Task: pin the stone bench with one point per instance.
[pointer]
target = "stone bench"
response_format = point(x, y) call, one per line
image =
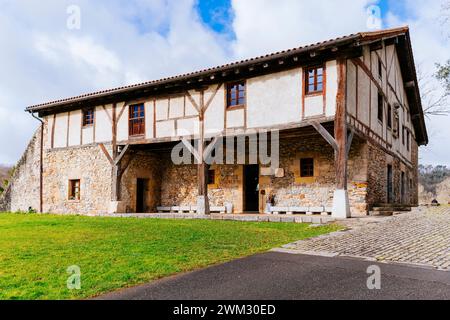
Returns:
point(188, 209)
point(220, 210)
point(302, 210)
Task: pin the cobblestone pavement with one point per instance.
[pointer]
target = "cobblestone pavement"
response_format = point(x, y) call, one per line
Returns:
point(421, 238)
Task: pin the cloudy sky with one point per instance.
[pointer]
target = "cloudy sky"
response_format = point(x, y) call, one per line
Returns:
point(127, 41)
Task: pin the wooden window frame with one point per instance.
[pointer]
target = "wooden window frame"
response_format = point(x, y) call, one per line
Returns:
point(380, 107)
point(389, 117)
point(316, 82)
point(229, 92)
point(72, 194)
point(132, 121)
point(85, 114)
point(309, 169)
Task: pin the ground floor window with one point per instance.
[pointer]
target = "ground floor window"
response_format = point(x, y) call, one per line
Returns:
point(211, 176)
point(307, 167)
point(74, 190)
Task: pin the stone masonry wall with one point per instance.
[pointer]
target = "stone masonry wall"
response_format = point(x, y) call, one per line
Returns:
point(142, 165)
point(377, 176)
point(179, 183)
point(23, 191)
point(292, 190)
point(90, 166)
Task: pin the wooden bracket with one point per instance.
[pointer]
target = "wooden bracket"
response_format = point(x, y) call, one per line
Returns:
point(325, 134)
point(191, 149)
point(194, 103)
point(121, 155)
point(106, 153)
point(350, 140)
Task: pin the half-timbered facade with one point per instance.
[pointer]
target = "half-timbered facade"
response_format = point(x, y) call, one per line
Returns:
point(347, 114)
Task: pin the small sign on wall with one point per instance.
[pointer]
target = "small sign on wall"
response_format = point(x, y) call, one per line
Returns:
point(279, 173)
point(265, 172)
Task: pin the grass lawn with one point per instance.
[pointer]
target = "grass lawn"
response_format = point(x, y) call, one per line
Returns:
point(36, 250)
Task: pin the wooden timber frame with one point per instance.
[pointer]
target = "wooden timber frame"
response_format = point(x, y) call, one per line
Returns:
point(203, 150)
point(116, 157)
point(341, 142)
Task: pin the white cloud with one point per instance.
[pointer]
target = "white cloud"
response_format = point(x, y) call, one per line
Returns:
point(262, 26)
point(126, 42)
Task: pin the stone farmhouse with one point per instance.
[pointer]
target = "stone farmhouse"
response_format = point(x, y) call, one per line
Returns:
point(346, 113)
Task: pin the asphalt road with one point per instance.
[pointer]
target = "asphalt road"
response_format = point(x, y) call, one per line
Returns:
point(280, 276)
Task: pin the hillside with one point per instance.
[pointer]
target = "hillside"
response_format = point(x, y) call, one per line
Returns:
point(4, 173)
point(434, 183)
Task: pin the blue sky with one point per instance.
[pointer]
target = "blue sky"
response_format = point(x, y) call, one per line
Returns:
point(218, 14)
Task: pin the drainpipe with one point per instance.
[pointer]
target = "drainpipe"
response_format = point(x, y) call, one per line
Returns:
point(41, 164)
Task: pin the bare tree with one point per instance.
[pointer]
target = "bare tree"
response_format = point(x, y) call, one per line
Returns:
point(435, 100)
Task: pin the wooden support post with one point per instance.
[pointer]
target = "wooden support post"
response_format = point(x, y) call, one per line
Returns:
point(341, 207)
point(202, 200)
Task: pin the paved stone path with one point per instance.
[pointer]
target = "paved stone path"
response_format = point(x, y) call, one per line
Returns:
point(421, 238)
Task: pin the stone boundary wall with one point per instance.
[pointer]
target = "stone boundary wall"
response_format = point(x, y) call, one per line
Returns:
point(23, 190)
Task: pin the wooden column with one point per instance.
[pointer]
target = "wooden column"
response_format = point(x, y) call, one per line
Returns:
point(202, 172)
point(115, 181)
point(341, 205)
point(340, 127)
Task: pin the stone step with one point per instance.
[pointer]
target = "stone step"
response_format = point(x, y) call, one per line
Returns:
point(388, 207)
point(381, 213)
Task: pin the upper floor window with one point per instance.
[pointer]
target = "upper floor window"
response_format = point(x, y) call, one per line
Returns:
point(380, 107)
point(307, 167)
point(389, 117)
point(74, 190)
point(88, 117)
point(236, 94)
point(314, 80)
point(137, 120)
point(380, 68)
point(408, 140)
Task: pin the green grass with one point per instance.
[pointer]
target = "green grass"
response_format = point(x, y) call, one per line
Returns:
point(36, 250)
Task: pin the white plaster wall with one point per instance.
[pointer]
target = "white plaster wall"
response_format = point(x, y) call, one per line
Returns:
point(149, 117)
point(60, 139)
point(215, 114)
point(364, 98)
point(88, 134)
point(75, 128)
point(277, 95)
point(351, 88)
point(103, 125)
point(313, 106)
point(332, 88)
point(176, 107)
point(188, 127)
point(162, 109)
point(235, 118)
point(165, 129)
point(122, 123)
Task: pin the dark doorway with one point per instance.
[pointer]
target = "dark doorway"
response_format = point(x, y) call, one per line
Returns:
point(403, 188)
point(251, 188)
point(390, 193)
point(141, 192)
